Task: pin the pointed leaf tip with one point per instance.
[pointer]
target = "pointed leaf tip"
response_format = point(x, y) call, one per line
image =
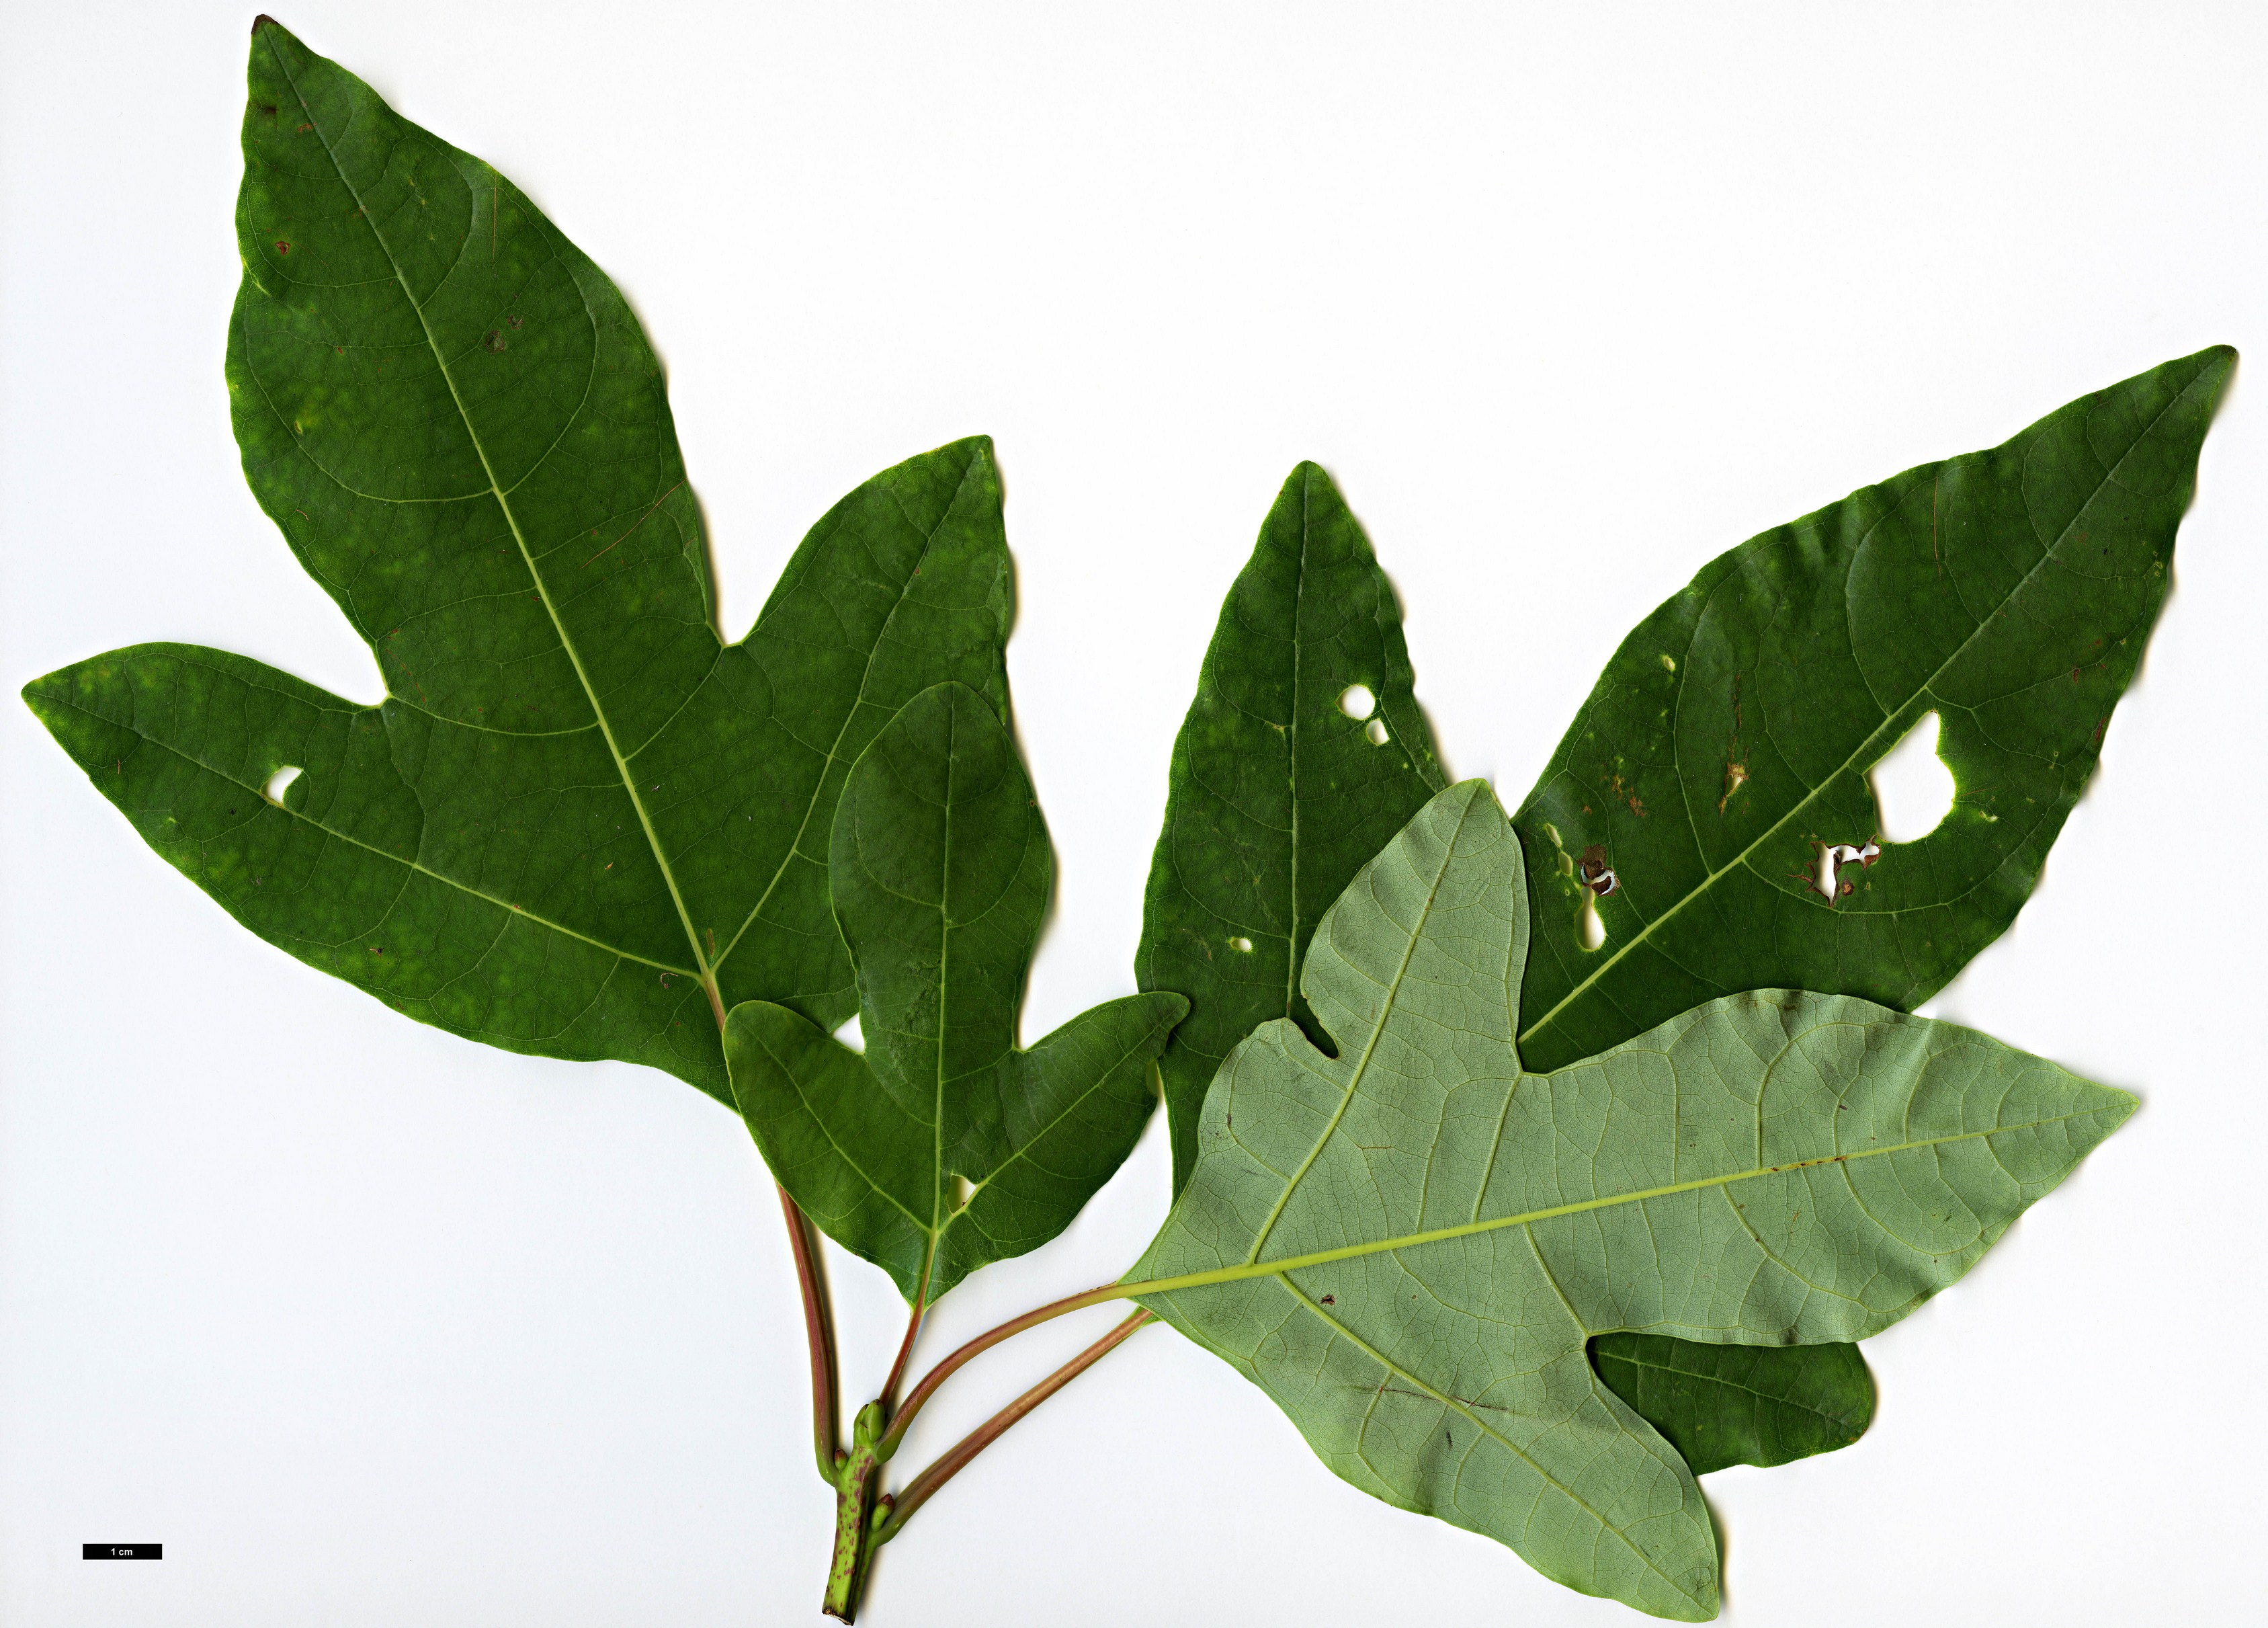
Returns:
point(696, 763)
point(1278, 794)
point(1409, 1245)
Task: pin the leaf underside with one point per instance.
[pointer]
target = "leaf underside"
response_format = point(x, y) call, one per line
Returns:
point(1277, 794)
point(941, 869)
point(1276, 797)
point(1409, 1245)
point(2011, 592)
point(579, 824)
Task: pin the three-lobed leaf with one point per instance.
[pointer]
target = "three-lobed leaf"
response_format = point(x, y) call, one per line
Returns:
point(1411, 1244)
point(1278, 791)
point(941, 868)
point(579, 824)
point(1278, 794)
point(2011, 592)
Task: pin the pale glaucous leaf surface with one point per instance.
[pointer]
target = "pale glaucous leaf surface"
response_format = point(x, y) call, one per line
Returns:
point(941, 868)
point(579, 824)
point(1409, 1245)
point(1279, 792)
point(1279, 789)
point(2012, 591)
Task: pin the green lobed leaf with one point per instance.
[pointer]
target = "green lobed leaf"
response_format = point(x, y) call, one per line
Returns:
point(2012, 592)
point(579, 824)
point(1409, 1245)
point(1720, 1405)
point(941, 869)
point(1277, 795)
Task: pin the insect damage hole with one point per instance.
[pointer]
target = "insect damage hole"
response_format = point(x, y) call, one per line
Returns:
point(1591, 931)
point(1356, 701)
point(1828, 878)
point(963, 1192)
point(1914, 789)
point(1599, 881)
point(278, 781)
point(1242, 946)
point(1376, 732)
point(850, 1035)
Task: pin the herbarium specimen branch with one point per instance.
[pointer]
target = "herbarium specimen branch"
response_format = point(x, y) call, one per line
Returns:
point(1533, 1164)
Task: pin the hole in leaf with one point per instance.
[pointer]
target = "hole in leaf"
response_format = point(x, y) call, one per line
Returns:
point(961, 1192)
point(1376, 733)
point(276, 783)
point(1830, 877)
point(850, 1035)
point(1591, 931)
point(1356, 701)
point(1242, 946)
point(1914, 789)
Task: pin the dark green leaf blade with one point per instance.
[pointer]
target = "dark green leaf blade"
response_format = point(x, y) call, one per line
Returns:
point(584, 801)
point(337, 873)
point(941, 868)
point(1409, 1245)
point(1072, 1109)
point(1720, 1405)
point(863, 1168)
point(1276, 796)
point(2011, 592)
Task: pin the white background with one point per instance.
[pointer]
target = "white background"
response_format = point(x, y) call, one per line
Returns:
point(368, 1325)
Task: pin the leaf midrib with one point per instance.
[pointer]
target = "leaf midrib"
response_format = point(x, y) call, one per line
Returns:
point(1925, 688)
point(938, 1219)
point(1410, 1240)
point(706, 974)
point(1291, 730)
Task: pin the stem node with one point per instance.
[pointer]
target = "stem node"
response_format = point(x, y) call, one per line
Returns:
point(857, 1515)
